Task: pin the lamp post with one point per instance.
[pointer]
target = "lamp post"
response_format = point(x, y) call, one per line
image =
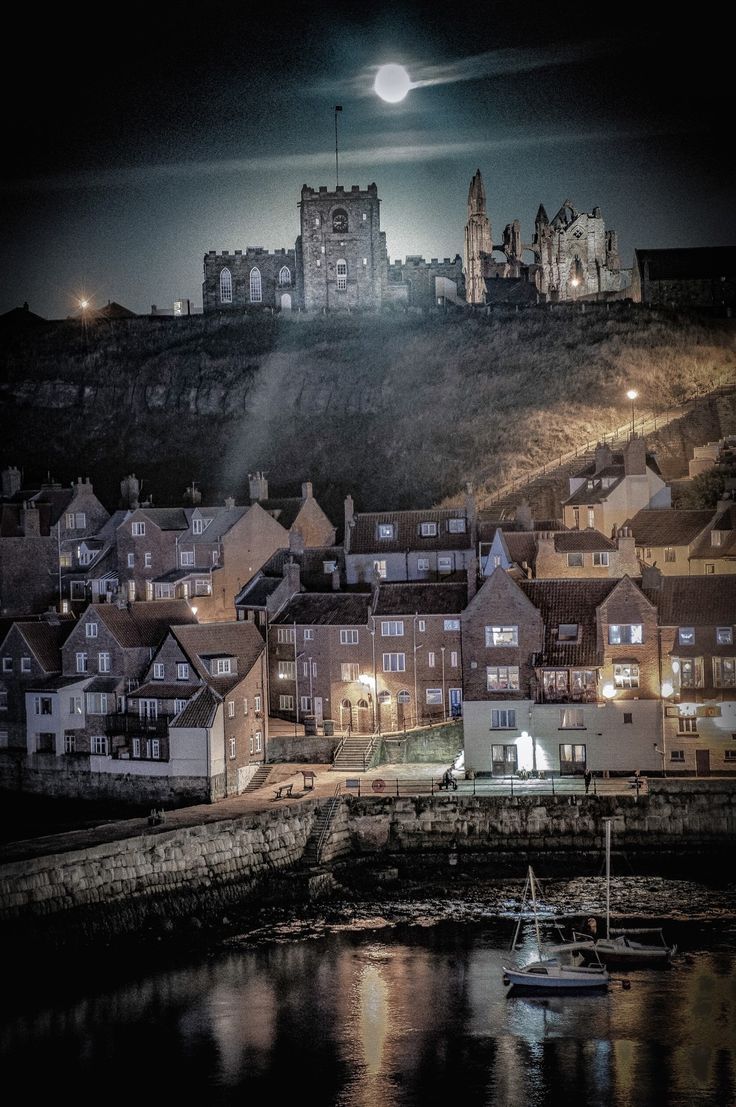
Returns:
point(632, 395)
point(444, 706)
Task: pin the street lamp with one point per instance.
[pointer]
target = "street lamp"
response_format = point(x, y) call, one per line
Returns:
point(632, 394)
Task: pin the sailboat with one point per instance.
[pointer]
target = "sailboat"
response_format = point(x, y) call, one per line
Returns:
point(620, 946)
point(558, 968)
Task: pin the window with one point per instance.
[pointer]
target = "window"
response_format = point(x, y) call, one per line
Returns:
point(153, 749)
point(25, 664)
point(385, 530)
point(70, 743)
point(574, 560)
point(7, 664)
point(232, 749)
point(709, 568)
point(716, 538)
point(158, 671)
point(202, 587)
point(182, 671)
point(84, 555)
point(97, 703)
point(306, 667)
point(305, 703)
point(444, 564)
point(65, 560)
point(286, 703)
point(90, 630)
point(69, 521)
point(567, 632)
point(197, 526)
point(146, 561)
point(628, 717)
point(308, 635)
point(626, 676)
point(572, 758)
point(422, 564)
point(257, 703)
point(136, 747)
point(179, 706)
point(724, 672)
point(76, 589)
point(686, 636)
point(348, 638)
point(451, 624)
point(103, 662)
point(729, 755)
point(724, 636)
point(677, 755)
point(287, 670)
point(259, 741)
point(231, 709)
point(256, 291)
point(456, 526)
point(431, 659)
point(349, 670)
point(186, 557)
point(434, 695)
point(285, 634)
point(422, 625)
point(245, 705)
point(392, 628)
point(503, 719)
point(226, 286)
point(427, 530)
point(670, 553)
point(284, 275)
point(3, 700)
point(403, 697)
point(571, 718)
point(394, 662)
point(79, 520)
point(502, 636)
point(691, 672)
point(625, 634)
point(222, 666)
point(502, 678)
point(42, 705)
point(138, 529)
point(99, 744)
point(81, 659)
point(341, 270)
point(453, 659)
point(131, 560)
point(591, 517)
point(687, 724)
point(339, 221)
point(379, 568)
point(600, 559)
point(75, 705)
point(164, 591)
point(555, 683)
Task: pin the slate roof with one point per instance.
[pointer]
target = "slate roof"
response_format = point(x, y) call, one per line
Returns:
point(569, 601)
point(695, 601)
point(205, 640)
point(667, 526)
point(616, 467)
point(221, 520)
point(326, 608)
point(45, 641)
point(53, 683)
point(284, 510)
point(158, 689)
point(364, 534)
point(256, 592)
point(311, 568)
point(574, 541)
point(597, 494)
point(104, 684)
point(143, 624)
point(522, 546)
point(200, 711)
point(166, 518)
point(725, 525)
point(421, 599)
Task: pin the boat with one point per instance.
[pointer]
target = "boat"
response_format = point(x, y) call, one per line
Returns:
point(621, 947)
point(560, 968)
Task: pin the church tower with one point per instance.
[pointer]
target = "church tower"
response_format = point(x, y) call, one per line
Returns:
point(477, 241)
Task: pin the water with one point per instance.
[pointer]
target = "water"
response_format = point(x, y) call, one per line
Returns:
point(402, 1008)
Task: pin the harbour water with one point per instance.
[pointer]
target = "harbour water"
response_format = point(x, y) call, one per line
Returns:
point(394, 1002)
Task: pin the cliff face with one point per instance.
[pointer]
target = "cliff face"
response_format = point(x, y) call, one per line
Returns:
point(400, 411)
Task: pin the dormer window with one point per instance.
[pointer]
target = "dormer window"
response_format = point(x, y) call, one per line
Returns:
point(686, 636)
point(428, 530)
point(567, 632)
point(456, 526)
point(221, 666)
point(197, 526)
point(385, 530)
point(716, 538)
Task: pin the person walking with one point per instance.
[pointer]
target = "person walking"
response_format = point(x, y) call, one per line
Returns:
point(587, 778)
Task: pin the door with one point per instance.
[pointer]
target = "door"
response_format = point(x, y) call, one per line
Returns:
point(702, 762)
point(504, 760)
point(318, 709)
point(455, 701)
point(572, 759)
point(286, 301)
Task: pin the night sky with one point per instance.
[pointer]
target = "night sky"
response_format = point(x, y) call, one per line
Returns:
point(137, 143)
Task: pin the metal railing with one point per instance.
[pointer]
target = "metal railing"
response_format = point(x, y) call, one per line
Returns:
point(498, 786)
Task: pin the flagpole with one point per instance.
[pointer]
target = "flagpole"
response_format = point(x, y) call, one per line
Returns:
point(337, 175)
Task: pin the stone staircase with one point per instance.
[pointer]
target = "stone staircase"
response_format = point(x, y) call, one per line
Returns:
point(355, 753)
point(261, 777)
point(323, 821)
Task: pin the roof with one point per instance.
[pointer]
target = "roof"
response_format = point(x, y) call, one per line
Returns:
point(221, 519)
point(284, 510)
point(200, 711)
point(112, 310)
point(597, 494)
point(703, 262)
point(165, 518)
point(616, 466)
point(144, 623)
point(421, 599)
point(241, 640)
point(311, 560)
point(364, 534)
point(45, 641)
point(162, 691)
point(522, 546)
point(667, 526)
point(570, 541)
point(695, 601)
point(256, 592)
point(53, 683)
point(724, 526)
point(103, 684)
point(569, 601)
point(11, 520)
point(326, 608)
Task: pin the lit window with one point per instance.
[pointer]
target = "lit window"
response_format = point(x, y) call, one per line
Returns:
point(502, 636)
point(724, 636)
point(591, 517)
point(502, 678)
point(626, 676)
point(379, 568)
point(256, 292)
point(724, 669)
point(625, 634)
point(385, 530)
point(716, 538)
point(670, 553)
point(394, 662)
point(226, 286)
point(686, 636)
point(286, 670)
point(434, 695)
point(571, 718)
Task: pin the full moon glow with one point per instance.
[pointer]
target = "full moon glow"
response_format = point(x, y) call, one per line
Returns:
point(392, 83)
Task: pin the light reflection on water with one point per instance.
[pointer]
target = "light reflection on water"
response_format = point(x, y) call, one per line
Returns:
point(397, 1017)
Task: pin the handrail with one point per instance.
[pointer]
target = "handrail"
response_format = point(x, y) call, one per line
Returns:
point(332, 806)
point(368, 751)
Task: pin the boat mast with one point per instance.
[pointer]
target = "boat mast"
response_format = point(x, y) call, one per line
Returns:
point(534, 906)
point(608, 876)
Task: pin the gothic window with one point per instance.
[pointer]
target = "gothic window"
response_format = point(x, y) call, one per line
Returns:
point(339, 221)
point(284, 275)
point(226, 286)
point(342, 275)
point(256, 294)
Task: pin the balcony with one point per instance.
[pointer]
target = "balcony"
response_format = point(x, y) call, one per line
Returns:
point(557, 695)
point(138, 725)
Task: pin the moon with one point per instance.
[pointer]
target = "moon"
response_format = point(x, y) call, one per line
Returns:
point(392, 83)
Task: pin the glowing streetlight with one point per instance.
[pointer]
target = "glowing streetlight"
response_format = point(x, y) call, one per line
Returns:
point(632, 394)
point(608, 691)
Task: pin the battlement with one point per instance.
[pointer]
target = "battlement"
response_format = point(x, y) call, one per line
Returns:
point(416, 261)
point(249, 252)
point(339, 193)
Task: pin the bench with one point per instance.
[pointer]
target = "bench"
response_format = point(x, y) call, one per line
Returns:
point(282, 790)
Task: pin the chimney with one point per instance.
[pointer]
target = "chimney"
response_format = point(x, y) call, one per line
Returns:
point(229, 502)
point(130, 489)
point(472, 575)
point(651, 578)
point(307, 490)
point(296, 541)
point(335, 580)
point(628, 562)
point(349, 521)
point(603, 457)
point(635, 458)
point(10, 481)
point(30, 521)
point(258, 487)
point(292, 577)
point(523, 516)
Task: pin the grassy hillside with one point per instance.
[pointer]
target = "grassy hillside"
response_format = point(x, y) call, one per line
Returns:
point(399, 410)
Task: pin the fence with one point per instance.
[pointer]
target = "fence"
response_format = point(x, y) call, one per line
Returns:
point(493, 786)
